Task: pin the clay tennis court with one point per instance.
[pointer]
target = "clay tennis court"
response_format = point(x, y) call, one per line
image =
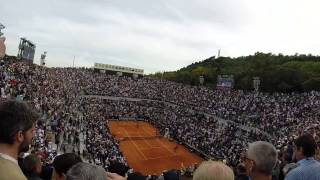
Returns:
point(146, 151)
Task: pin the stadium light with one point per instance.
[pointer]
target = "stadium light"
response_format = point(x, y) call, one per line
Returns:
point(201, 80)
point(42, 59)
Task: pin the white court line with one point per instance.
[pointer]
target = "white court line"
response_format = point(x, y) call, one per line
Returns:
point(158, 147)
point(161, 157)
point(141, 128)
point(150, 135)
point(150, 146)
point(136, 146)
point(165, 147)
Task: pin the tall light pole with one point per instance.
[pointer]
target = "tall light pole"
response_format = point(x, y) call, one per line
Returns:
point(74, 57)
point(201, 80)
point(256, 83)
point(162, 75)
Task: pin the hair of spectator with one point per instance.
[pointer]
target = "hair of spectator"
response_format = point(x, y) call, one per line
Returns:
point(307, 143)
point(86, 171)
point(241, 168)
point(213, 170)
point(119, 168)
point(264, 155)
point(64, 162)
point(15, 116)
point(30, 163)
point(135, 176)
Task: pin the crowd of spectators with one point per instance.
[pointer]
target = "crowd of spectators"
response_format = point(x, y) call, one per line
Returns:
point(269, 112)
point(72, 103)
point(218, 140)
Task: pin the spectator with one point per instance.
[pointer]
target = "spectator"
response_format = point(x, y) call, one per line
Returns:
point(118, 168)
point(171, 175)
point(241, 172)
point(17, 125)
point(288, 167)
point(260, 160)
point(86, 171)
point(211, 170)
point(136, 176)
point(63, 163)
point(114, 176)
point(304, 152)
point(32, 166)
point(194, 114)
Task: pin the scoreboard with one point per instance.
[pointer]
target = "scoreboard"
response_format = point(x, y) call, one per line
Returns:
point(225, 82)
point(26, 50)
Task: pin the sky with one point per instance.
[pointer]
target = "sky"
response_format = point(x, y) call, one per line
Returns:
point(159, 35)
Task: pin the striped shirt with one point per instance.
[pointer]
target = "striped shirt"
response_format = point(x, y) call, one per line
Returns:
point(308, 169)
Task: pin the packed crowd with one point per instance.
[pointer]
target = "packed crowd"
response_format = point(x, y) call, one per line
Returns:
point(102, 148)
point(259, 162)
point(63, 98)
point(217, 140)
point(269, 112)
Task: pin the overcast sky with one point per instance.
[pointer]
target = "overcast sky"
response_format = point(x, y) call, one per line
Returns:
point(159, 35)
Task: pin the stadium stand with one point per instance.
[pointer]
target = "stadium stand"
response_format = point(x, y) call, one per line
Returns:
point(217, 124)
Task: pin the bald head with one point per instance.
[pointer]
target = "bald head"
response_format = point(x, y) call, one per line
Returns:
point(213, 170)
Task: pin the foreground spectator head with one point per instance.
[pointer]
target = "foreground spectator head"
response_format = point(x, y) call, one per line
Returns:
point(17, 124)
point(241, 172)
point(305, 147)
point(171, 175)
point(86, 171)
point(16, 133)
point(241, 169)
point(119, 168)
point(63, 163)
point(308, 167)
point(32, 165)
point(212, 170)
point(135, 176)
point(261, 158)
point(114, 176)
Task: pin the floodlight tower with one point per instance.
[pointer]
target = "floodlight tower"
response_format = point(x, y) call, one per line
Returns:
point(42, 59)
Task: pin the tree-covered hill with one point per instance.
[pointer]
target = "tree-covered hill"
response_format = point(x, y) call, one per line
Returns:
point(277, 72)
